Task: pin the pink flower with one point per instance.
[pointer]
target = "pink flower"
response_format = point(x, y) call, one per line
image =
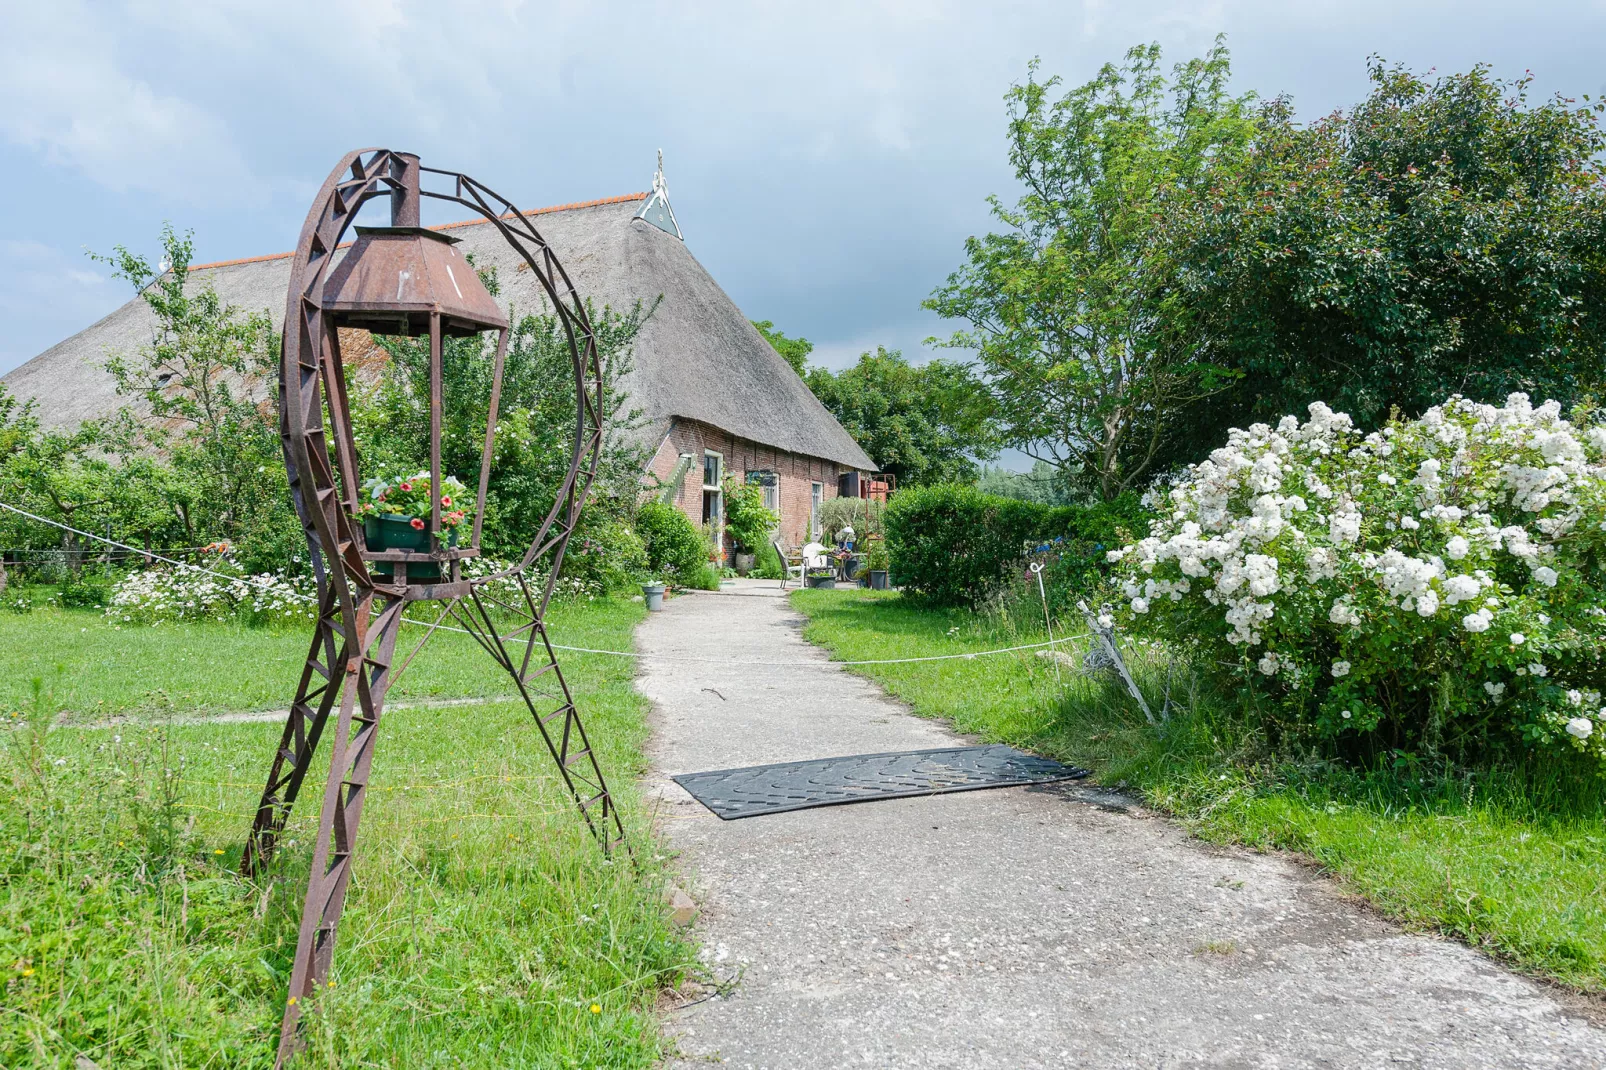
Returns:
point(418, 525)
point(406, 486)
point(446, 499)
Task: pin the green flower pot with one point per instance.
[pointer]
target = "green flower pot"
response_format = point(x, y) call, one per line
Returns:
point(396, 532)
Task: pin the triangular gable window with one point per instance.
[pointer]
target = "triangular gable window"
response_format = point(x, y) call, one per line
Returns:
point(656, 210)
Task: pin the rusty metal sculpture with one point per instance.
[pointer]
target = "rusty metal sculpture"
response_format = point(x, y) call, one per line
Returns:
point(404, 279)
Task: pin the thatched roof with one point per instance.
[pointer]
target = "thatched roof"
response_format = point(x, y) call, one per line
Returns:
point(697, 358)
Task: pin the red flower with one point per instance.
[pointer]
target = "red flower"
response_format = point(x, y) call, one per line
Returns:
point(446, 499)
point(406, 486)
point(418, 525)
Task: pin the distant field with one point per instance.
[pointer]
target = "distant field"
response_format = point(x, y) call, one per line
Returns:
point(483, 927)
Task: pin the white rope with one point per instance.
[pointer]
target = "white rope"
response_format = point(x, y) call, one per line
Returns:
point(572, 649)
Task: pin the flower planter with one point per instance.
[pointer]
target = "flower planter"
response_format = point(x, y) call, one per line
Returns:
point(654, 594)
point(878, 579)
point(826, 582)
point(396, 532)
point(744, 563)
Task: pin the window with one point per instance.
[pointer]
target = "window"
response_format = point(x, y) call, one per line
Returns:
point(769, 481)
point(713, 505)
point(816, 498)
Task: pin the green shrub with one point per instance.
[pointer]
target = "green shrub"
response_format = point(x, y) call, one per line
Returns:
point(956, 545)
point(1076, 540)
point(863, 514)
point(747, 521)
point(704, 578)
point(675, 546)
point(768, 564)
point(607, 556)
point(85, 590)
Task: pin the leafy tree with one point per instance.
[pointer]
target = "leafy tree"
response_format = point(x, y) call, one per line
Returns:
point(1044, 484)
point(795, 350)
point(202, 402)
point(1073, 308)
point(929, 423)
point(535, 424)
point(1443, 237)
point(67, 477)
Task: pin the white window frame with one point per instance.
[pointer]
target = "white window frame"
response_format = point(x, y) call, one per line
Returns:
point(717, 489)
point(816, 500)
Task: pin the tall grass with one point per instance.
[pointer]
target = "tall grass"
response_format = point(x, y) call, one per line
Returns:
point(483, 927)
point(1511, 859)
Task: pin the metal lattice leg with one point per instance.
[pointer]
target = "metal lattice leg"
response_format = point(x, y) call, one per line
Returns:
point(561, 728)
point(362, 701)
point(320, 684)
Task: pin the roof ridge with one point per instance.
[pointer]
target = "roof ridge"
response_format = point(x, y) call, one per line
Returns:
point(622, 198)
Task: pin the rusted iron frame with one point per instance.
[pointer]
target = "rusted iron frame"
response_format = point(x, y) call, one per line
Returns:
point(303, 728)
point(345, 584)
point(562, 751)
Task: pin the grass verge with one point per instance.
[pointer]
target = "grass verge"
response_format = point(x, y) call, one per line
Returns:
point(1514, 862)
point(483, 926)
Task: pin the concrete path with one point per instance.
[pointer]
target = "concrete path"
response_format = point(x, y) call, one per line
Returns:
point(1021, 927)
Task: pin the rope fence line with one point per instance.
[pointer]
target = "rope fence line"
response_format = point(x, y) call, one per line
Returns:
point(968, 655)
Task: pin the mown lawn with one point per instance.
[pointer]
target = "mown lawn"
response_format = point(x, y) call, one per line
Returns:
point(1515, 863)
point(483, 927)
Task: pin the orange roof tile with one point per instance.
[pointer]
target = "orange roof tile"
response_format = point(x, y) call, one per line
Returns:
point(443, 226)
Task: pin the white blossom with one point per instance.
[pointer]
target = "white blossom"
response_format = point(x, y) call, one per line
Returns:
point(1580, 727)
point(1341, 668)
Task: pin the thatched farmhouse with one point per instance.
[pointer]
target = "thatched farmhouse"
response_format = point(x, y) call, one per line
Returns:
point(715, 397)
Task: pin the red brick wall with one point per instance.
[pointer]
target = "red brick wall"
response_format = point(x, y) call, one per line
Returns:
point(796, 473)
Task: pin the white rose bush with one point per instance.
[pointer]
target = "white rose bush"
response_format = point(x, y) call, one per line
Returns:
point(1440, 583)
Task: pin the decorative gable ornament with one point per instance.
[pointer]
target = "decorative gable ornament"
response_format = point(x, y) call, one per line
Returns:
point(655, 209)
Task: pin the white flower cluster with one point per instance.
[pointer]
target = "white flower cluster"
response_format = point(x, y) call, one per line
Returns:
point(1331, 549)
point(194, 593)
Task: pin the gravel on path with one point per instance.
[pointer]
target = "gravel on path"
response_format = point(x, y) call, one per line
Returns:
point(1020, 927)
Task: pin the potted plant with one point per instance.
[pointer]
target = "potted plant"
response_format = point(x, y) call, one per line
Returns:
point(653, 592)
point(395, 515)
point(747, 521)
point(877, 562)
point(822, 578)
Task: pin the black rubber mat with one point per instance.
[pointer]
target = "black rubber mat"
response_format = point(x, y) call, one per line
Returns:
point(773, 789)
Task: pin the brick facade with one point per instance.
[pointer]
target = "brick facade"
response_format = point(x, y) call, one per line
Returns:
point(796, 473)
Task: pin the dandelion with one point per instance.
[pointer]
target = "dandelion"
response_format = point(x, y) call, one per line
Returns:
point(596, 1008)
point(27, 971)
point(218, 851)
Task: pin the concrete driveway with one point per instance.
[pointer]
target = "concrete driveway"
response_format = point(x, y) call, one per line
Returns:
point(1020, 927)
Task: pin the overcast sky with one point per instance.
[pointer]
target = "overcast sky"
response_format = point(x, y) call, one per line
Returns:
point(826, 160)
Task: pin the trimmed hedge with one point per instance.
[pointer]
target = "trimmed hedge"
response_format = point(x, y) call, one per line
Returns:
point(956, 545)
point(675, 547)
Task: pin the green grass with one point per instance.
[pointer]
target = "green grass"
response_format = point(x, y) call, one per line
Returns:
point(1514, 862)
point(482, 925)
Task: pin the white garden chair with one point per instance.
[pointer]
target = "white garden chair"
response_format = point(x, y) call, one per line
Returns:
point(787, 568)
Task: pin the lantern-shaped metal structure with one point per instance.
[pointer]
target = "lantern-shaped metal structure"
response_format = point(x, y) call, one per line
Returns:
point(405, 279)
